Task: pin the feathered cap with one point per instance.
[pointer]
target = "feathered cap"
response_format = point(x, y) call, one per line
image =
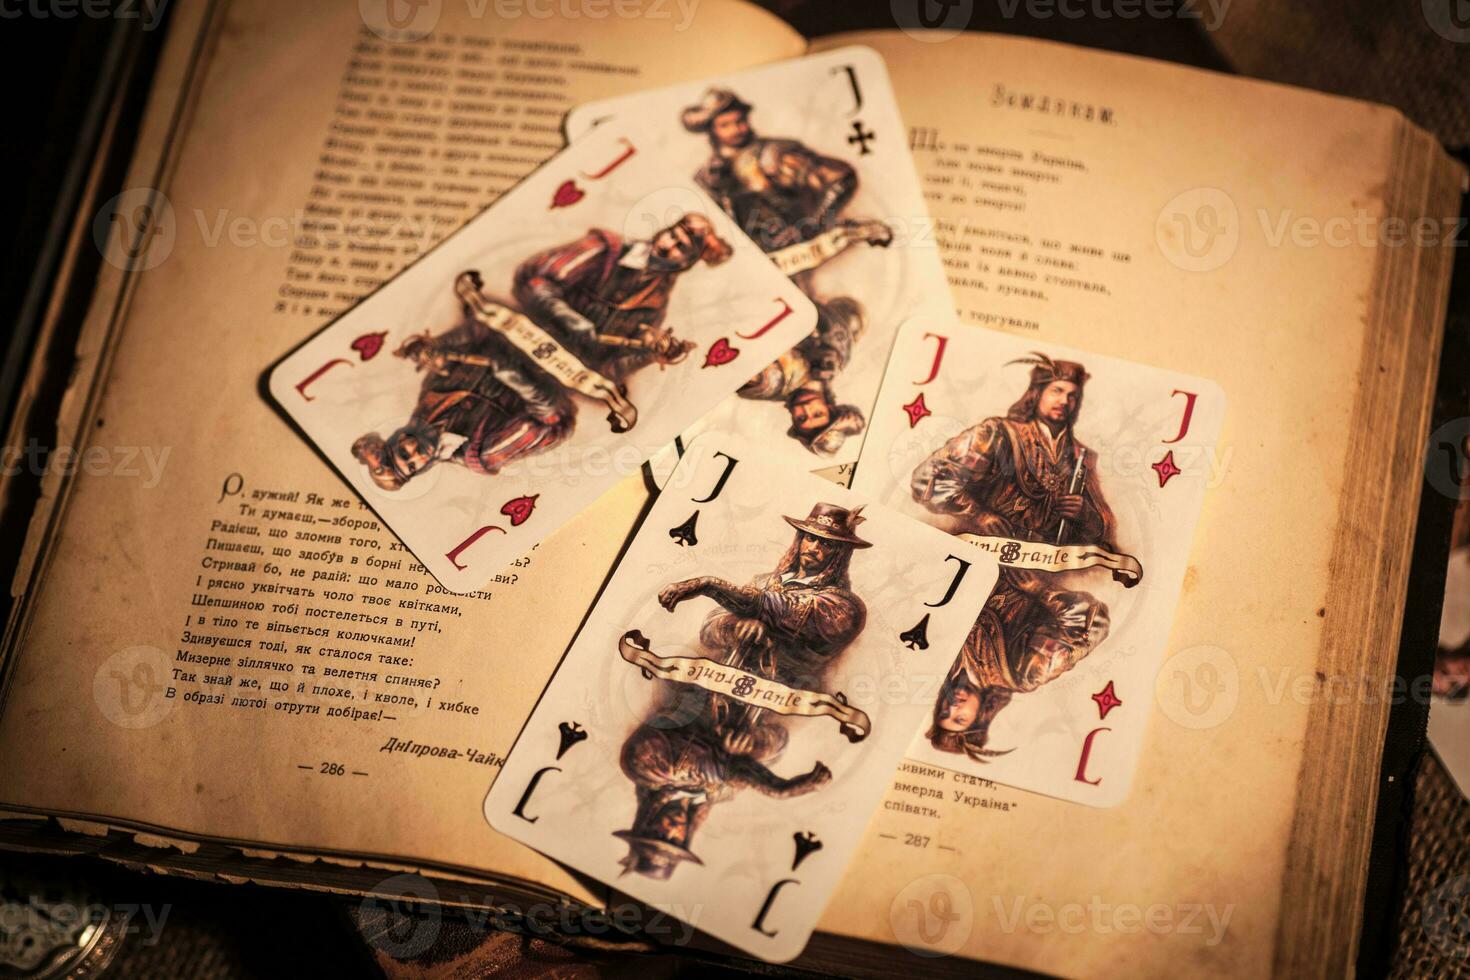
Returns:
point(1044, 370)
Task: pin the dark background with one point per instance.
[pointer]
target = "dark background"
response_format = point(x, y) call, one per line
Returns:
point(60, 74)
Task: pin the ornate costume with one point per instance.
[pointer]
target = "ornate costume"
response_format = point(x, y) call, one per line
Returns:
point(599, 290)
point(806, 371)
point(1003, 478)
point(699, 747)
point(481, 415)
point(789, 199)
point(488, 400)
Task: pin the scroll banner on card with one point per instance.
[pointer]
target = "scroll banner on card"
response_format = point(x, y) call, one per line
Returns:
point(548, 353)
point(743, 686)
point(807, 255)
point(1041, 557)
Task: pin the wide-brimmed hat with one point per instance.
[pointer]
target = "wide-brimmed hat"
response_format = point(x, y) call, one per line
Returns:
point(699, 117)
point(653, 856)
point(833, 523)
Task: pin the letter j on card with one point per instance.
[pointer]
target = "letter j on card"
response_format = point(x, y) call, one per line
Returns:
point(1084, 476)
point(727, 720)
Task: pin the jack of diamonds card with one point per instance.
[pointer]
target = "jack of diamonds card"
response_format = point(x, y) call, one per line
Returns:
point(499, 385)
point(810, 156)
point(740, 696)
point(1089, 508)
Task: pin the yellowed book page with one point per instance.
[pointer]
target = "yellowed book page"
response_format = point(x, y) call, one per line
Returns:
point(219, 639)
point(1219, 227)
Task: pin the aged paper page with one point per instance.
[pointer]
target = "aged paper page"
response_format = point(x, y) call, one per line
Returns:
point(1181, 219)
point(221, 640)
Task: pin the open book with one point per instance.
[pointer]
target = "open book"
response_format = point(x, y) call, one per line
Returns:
point(219, 664)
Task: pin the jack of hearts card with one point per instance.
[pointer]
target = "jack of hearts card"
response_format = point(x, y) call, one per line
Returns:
point(721, 730)
point(504, 381)
point(1085, 476)
point(810, 156)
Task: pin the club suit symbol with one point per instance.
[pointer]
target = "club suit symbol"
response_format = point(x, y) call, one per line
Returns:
point(806, 845)
point(571, 734)
point(917, 638)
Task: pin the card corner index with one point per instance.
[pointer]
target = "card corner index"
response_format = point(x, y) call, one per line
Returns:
point(580, 120)
point(862, 53)
point(803, 308)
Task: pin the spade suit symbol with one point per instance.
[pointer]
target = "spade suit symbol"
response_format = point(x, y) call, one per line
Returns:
point(806, 843)
point(571, 734)
point(684, 533)
point(918, 637)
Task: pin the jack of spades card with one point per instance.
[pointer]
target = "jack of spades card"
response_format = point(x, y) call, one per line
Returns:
point(1085, 476)
point(810, 158)
point(725, 723)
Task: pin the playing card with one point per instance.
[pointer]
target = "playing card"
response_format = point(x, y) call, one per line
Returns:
point(498, 386)
point(725, 723)
point(811, 158)
point(1090, 509)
